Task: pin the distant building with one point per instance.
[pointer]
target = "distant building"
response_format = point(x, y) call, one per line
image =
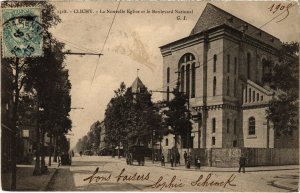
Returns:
point(220, 66)
point(137, 86)
point(103, 143)
point(95, 129)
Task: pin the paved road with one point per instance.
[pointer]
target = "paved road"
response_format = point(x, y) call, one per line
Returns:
point(110, 177)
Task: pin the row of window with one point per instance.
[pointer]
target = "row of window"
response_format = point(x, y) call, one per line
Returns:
point(251, 126)
point(189, 58)
point(227, 86)
point(213, 121)
point(187, 66)
point(193, 85)
point(252, 96)
point(184, 142)
point(251, 130)
point(213, 142)
point(228, 64)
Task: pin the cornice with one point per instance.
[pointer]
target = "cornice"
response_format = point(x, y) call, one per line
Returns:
point(216, 107)
point(215, 33)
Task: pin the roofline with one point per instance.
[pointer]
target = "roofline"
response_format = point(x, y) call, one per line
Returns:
point(191, 36)
point(243, 21)
point(208, 30)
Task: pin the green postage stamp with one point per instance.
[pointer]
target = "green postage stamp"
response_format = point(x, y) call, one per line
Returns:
point(22, 32)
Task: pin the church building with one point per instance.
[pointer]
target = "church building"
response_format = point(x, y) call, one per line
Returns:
point(220, 67)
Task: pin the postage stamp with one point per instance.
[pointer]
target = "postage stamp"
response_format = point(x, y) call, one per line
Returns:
point(22, 32)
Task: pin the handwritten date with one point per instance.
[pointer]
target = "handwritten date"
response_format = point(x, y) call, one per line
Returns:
point(278, 7)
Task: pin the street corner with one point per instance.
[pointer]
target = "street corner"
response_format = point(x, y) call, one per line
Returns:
point(287, 182)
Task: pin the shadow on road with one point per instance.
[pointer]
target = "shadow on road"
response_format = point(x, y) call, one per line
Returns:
point(94, 163)
point(111, 186)
point(62, 180)
point(91, 172)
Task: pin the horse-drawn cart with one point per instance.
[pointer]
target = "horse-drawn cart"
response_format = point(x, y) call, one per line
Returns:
point(136, 153)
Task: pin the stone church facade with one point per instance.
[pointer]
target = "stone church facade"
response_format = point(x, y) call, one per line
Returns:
point(220, 66)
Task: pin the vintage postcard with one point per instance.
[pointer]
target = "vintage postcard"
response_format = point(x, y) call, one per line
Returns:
point(150, 96)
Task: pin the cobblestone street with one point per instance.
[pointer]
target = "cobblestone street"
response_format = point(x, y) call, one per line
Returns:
point(110, 177)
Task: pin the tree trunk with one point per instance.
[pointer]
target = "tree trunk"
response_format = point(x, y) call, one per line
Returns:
point(175, 149)
point(43, 152)
point(50, 153)
point(37, 167)
point(119, 149)
point(55, 149)
point(15, 129)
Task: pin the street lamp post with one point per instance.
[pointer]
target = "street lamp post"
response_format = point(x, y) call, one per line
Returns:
point(153, 134)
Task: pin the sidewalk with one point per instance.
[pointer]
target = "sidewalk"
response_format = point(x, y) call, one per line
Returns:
point(288, 184)
point(27, 182)
point(216, 169)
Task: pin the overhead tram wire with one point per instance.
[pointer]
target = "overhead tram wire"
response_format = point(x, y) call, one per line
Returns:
point(76, 45)
point(106, 40)
point(232, 44)
point(94, 73)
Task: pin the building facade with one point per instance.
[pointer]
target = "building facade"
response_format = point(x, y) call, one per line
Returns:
point(7, 129)
point(220, 66)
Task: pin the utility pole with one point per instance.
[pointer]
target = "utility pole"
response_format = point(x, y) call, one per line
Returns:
point(188, 133)
point(188, 107)
point(204, 120)
point(14, 125)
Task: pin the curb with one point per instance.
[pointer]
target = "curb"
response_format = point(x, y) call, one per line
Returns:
point(278, 185)
point(236, 170)
point(197, 170)
point(49, 182)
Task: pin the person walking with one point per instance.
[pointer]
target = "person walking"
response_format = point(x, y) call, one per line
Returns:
point(172, 160)
point(197, 162)
point(162, 160)
point(242, 163)
point(178, 159)
point(188, 161)
point(185, 157)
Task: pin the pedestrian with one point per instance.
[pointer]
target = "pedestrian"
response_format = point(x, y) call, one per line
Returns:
point(80, 153)
point(188, 162)
point(113, 153)
point(59, 160)
point(185, 157)
point(178, 158)
point(242, 163)
point(172, 160)
point(198, 162)
point(130, 158)
point(162, 160)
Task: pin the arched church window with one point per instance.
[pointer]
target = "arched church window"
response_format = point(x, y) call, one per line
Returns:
point(187, 78)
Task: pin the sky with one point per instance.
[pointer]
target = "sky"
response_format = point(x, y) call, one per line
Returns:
point(133, 43)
